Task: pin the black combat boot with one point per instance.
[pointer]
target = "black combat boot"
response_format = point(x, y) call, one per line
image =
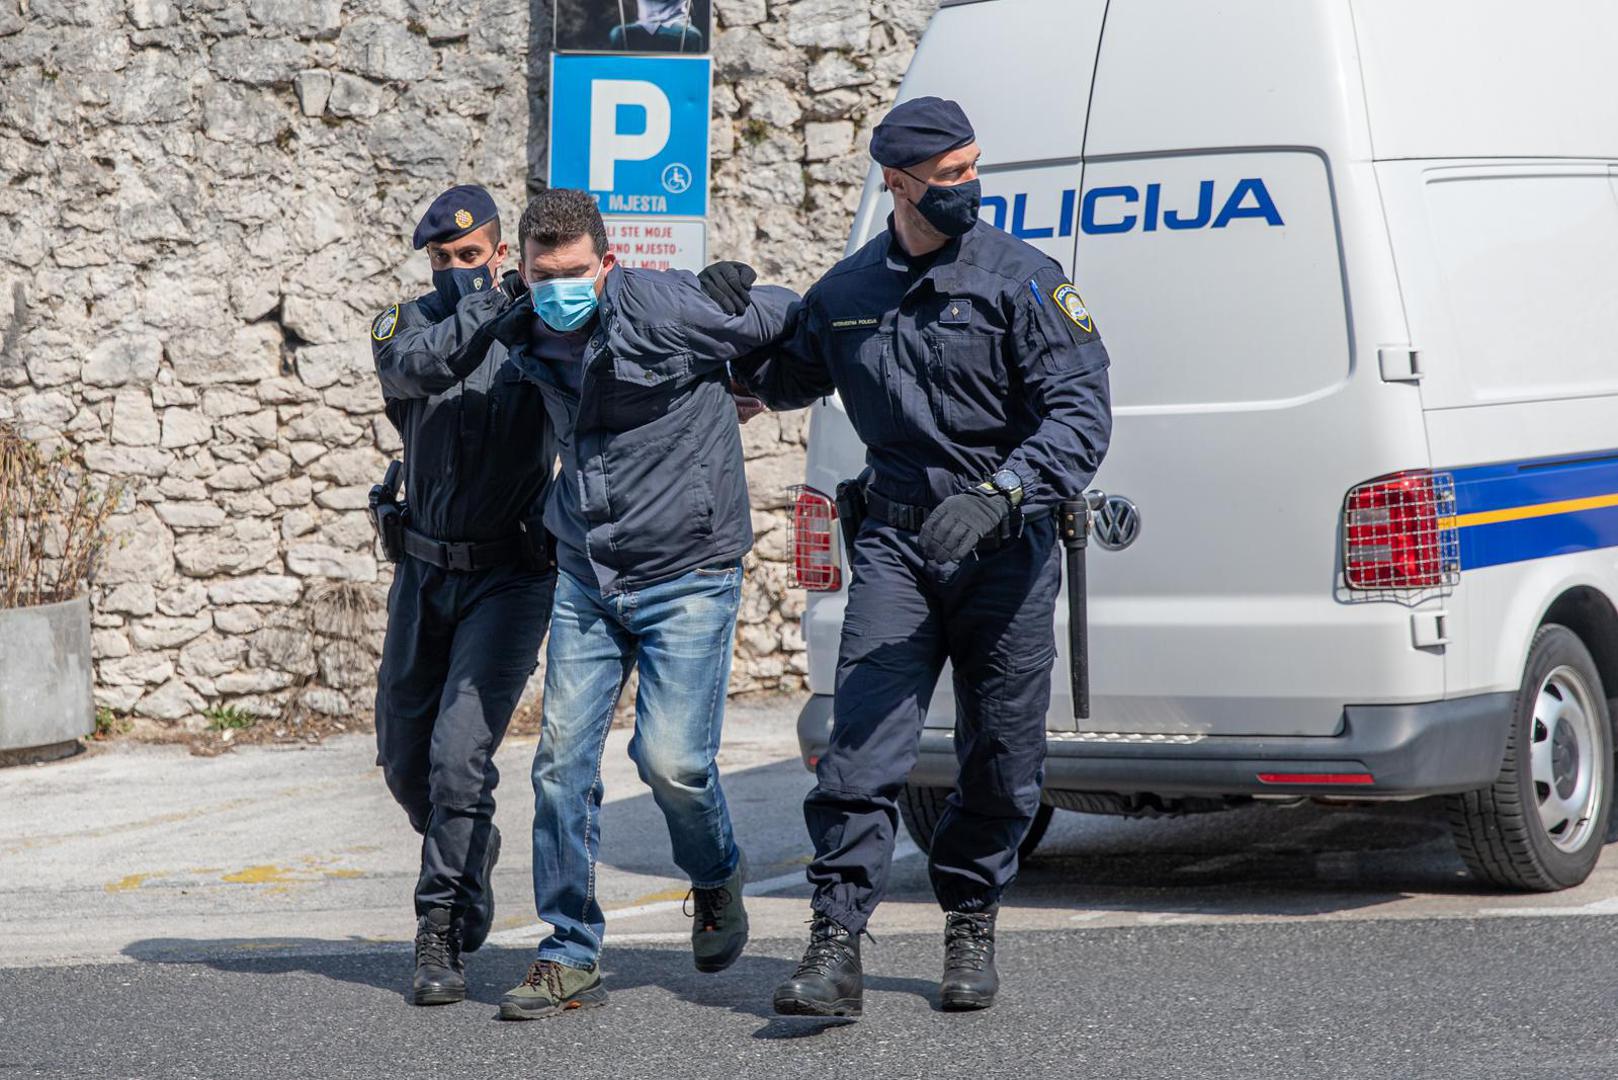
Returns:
point(828, 981)
point(479, 917)
point(970, 980)
point(440, 975)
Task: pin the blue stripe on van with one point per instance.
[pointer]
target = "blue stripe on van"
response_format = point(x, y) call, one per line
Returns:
point(1536, 508)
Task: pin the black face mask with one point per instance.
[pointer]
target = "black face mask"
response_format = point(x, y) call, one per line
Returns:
point(951, 210)
point(454, 282)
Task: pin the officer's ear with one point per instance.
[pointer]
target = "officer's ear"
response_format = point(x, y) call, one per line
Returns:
point(893, 180)
point(501, 250)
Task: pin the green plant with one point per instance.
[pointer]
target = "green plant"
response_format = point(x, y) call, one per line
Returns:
point(226, 718)
point(755, 131)
point(53, 522)
point(109, 723)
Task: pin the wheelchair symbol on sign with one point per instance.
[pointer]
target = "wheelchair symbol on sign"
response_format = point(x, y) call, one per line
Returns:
point(676, 179)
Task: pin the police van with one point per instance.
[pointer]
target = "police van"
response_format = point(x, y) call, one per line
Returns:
point(1356, 263)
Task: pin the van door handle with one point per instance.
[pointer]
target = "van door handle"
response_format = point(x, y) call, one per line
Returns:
point(1399, 363)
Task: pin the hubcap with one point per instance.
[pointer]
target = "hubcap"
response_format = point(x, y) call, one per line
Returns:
point(1562, 759)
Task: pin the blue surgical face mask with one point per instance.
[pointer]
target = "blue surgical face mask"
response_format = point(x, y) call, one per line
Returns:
point(454, 282)
point(565, 303)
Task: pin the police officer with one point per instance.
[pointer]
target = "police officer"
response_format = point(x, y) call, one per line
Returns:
point(472, 590)
point(976, 379)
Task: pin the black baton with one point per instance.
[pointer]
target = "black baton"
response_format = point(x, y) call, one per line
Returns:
point(1074, 521)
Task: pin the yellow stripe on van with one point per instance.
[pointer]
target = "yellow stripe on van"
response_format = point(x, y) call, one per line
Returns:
point(1522, 513)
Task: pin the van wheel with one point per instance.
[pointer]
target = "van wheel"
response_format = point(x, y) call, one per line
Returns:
point(1541, 825)
point(921, 807)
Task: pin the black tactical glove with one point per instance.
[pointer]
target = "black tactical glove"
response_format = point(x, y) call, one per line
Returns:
point(510, 327)
point(728, 284)
point(960, 523)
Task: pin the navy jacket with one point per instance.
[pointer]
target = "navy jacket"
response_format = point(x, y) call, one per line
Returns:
point(652, 481)
point(985, 360)
point(478, 448)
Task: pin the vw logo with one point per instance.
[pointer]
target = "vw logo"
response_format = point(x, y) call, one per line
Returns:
point(1117, 523)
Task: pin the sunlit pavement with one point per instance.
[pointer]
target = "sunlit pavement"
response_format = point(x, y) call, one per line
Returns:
point(173, 916)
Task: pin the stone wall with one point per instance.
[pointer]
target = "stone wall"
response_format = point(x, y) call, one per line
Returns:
point(204, 204)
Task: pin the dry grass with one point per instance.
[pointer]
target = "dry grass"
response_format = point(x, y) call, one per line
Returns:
point(53, 523)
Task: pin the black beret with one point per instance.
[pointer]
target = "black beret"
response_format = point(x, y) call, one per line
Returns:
point(455, 213)
point(918, 129)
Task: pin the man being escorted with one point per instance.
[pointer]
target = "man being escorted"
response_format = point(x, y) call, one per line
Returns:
point(472, 589)
point(651, 519)
point(975, 377)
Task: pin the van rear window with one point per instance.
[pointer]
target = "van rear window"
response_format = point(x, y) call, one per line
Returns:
point(1215, 278)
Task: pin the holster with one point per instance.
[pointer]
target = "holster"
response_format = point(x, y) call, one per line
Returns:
point(388, 514)
point(851, 509)
point(538, 545)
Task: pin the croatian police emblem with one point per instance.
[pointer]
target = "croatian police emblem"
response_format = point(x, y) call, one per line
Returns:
point(386, 323)
point(1072, 304)
point(463, 219)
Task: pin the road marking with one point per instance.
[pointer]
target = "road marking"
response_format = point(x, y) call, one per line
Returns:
point(527, 934)
point(1609, 906)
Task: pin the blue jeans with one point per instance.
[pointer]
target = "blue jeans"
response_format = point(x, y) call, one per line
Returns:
point(680, 633)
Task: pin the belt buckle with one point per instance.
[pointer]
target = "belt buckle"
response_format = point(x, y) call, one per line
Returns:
point(458, 556)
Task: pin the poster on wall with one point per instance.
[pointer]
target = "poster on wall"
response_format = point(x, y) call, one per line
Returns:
point(634, 26)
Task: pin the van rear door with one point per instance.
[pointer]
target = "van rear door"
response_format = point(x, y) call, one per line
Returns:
point(1210, 249)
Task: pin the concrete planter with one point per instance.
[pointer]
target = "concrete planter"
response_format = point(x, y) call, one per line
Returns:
point(45, 675)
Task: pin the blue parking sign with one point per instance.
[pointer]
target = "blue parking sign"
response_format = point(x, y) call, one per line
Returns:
point(632, 131)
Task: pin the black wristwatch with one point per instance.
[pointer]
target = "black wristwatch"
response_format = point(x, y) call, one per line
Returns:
point(1007, 483)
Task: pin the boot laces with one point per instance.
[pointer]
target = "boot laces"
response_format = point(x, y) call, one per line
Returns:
point(546, 975)
point(829, 946)
point(436, 946)
point(969, 940)
point(708, 904)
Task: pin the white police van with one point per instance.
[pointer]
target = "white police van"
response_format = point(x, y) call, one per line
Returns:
point(1356, 262)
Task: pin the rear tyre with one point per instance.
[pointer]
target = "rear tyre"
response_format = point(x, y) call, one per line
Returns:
point(1541, 824)
point(921, 807)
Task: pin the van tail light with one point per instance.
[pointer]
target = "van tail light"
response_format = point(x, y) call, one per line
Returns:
point(817, 563)
point(1399, 533)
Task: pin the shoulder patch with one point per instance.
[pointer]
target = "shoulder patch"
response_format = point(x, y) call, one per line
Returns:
point(386, 323)
point(1072, 304)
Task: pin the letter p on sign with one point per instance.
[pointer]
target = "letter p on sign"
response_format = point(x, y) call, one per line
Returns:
point(610, 143)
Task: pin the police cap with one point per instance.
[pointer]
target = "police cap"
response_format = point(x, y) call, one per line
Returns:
point(918, 129)
point(455, 213)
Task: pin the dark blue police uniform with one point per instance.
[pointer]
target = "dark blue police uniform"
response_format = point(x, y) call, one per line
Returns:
point(954, 367)
point(471, 599)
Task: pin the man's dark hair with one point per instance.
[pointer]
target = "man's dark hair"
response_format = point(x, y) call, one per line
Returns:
point(559, 216)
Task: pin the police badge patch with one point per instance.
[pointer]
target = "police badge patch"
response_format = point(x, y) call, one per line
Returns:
point(463, 218)
point(1072, 304)
point(386, 323)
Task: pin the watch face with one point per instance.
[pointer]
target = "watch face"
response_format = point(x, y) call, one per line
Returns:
point(1007, 481)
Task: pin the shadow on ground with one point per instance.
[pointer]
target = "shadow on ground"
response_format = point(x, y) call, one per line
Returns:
point(744, 989)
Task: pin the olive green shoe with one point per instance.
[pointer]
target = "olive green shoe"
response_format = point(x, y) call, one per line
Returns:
point(553, 988)
point(719, 922)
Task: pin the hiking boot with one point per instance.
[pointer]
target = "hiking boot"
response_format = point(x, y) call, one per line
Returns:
point(828, 981)
point(479, 918)
point(553, 988)
point(970, 980)
point(440, 976)
point(719, 925)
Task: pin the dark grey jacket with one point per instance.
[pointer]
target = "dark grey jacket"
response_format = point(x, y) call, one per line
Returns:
point(478, 448)
point(652, 475)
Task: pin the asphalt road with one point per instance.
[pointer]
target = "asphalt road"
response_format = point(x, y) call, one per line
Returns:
point(177, 917)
